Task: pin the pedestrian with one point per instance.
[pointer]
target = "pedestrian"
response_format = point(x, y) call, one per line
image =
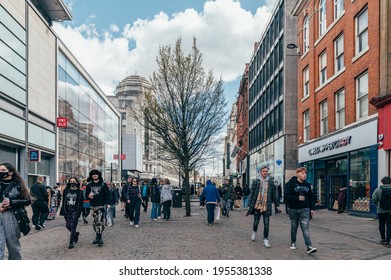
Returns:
point(279, 195)
point(111, 203)
point(239, 194)
point(98, 193)
point(124, 195)
point(145, 193)
point(301, 203)
point(86, 202)
point(211, 196)
point(227, 192)
point(166, 199)
point(246, 193)
point(56, 200)
point(381, 197)
point(14, 196)
point(39, 197)
point(155, 199)
point(71, 209)
point(262, 195)
point(199, 192)
point(133, 198)
point(341, 200)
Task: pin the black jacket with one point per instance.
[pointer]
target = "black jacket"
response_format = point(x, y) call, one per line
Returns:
point(79, 201)
point(155, 194)
point(293, 189)
point(13, 191)
point(100, 191)
point(38, 193)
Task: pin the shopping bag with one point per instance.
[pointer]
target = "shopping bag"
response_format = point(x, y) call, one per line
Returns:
point(335, 206)
point(237, 203)
point(217, 212)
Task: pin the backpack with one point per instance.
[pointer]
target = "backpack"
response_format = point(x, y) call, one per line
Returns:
point(385, 199)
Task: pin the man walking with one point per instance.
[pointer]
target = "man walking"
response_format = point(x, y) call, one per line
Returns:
point(262, 195)
point(299, 196)
point(39, 197)
point(227, 192)
point(211, 195)
point(381, 197)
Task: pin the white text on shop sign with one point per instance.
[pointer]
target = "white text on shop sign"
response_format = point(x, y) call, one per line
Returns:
point(331, 146)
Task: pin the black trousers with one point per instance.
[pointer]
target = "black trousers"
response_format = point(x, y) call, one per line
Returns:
point(40, 212)
point(167, 209)
point(71, 220)
point(385, 226)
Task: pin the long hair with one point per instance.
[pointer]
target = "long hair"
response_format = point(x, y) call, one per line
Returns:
point(69, 184)
point(16, 177)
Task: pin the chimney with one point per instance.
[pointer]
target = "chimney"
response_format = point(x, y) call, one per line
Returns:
point(256, 45)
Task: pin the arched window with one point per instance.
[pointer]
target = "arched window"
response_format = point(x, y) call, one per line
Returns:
point(306, 34)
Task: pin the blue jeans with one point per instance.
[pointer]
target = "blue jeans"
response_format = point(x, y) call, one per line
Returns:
point(266, 219)
point(210, 209)
point(155, 212)
point(245, 201)
point(301, 216)
point(226, 206)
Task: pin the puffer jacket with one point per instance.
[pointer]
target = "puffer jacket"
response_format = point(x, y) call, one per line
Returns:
point(166, 193)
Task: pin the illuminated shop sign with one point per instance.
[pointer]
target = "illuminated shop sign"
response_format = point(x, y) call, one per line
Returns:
point(331, 146)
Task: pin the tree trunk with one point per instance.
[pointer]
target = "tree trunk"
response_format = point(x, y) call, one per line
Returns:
point(187, 188)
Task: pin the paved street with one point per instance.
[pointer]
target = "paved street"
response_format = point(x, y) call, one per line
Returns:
point(336, 237)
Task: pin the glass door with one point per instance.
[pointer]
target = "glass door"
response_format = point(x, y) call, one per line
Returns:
point(335, 183)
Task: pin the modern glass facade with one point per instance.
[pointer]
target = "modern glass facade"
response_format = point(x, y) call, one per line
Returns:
point(91, 138)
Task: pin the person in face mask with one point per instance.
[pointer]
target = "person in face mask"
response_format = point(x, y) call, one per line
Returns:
point(13, 195)
point(72, 206)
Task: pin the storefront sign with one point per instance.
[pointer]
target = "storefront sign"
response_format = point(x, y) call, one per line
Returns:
point(62, 122)
point(34, 156)
point(351, 138)
point(330, 146)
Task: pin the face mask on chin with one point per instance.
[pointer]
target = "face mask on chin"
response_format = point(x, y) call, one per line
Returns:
point(3, 175)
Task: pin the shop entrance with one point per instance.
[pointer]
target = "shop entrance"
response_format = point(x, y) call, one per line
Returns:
point(335, 182)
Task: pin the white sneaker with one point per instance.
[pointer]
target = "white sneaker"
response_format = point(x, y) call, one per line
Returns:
point(136, 226)
point(131, 223)
point(155, 219)
point(293, 246)
point(159, 218)
point(253, 236)
point(266, 243)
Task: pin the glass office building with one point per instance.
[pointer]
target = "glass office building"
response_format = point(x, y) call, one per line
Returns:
point(91, 139)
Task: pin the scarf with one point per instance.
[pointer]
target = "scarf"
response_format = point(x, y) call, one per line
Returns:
point(261, 203)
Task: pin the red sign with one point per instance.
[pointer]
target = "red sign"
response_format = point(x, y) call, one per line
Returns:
point(62, 122)
point(122, 157)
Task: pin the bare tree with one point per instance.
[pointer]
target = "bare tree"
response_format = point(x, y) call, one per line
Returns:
point(187, 109)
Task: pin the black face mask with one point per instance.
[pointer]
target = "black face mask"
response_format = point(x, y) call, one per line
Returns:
point(3, 175)
point(72, 185)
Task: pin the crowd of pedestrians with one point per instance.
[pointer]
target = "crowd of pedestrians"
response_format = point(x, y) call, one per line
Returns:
point(99, 198)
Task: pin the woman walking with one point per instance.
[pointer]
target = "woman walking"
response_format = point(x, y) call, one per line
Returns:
point(71, 209)
point(133, 198)
point(14, 196)
point(166, 198)
point(155, 199)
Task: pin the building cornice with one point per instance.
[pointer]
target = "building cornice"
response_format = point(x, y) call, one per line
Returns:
point(300, 4)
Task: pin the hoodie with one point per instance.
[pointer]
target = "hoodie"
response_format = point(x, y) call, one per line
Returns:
point(293, 189)
point(210, 194)
point(166, 193)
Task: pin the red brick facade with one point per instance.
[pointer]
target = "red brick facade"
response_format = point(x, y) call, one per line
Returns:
point(242, 118)
point(354, 64)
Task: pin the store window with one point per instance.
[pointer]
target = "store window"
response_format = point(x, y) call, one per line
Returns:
point(359, 180)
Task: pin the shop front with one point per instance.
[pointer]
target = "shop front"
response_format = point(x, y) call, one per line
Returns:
point(348, 158)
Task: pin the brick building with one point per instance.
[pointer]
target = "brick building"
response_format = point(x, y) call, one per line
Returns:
point(338, 73)
point(242, 128)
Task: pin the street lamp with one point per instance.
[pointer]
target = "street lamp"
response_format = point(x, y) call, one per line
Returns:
point(293, 46)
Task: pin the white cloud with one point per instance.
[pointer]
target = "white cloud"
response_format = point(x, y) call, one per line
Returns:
point(225, 35)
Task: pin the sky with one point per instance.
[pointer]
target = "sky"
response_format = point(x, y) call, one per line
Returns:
point(116, 38)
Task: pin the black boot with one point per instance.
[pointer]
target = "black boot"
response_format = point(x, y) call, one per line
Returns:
point(76, 237)
point(71, 246)
point(100, 241)
point(96, 239)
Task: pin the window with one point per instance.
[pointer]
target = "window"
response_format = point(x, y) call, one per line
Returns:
point(362, 31)
point(306, 122)
point(306, 82)
point(322, 18)
point(323, 118)
point(339, 53)
point(340, 109)
point(306, 34)
point(322, 68)
point(362, 95)
point(123, 115)
point(338, 8)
